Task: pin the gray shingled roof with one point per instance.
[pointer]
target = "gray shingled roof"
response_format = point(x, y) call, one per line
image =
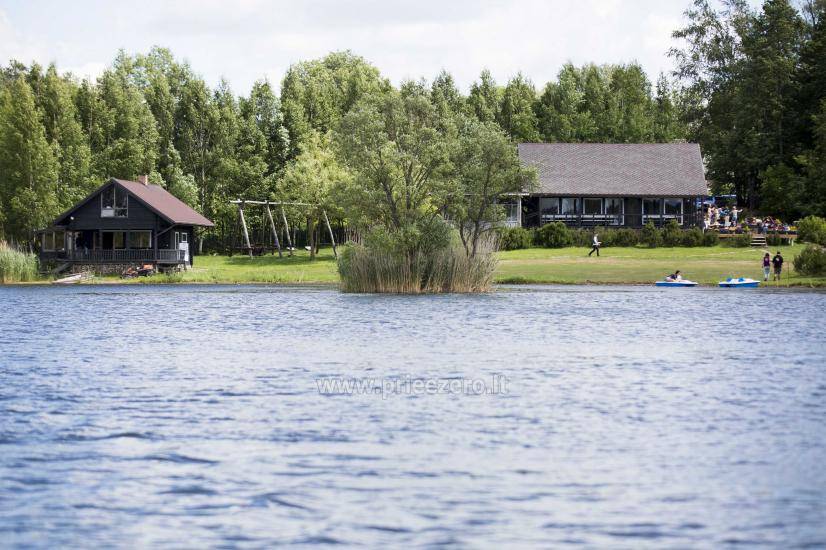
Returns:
point(616, 169)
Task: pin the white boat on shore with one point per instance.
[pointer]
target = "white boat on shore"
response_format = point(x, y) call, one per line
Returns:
point(677, 284)
point(739, 282)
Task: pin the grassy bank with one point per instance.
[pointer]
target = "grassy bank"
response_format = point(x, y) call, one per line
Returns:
point(535, 265)
point(642, 265)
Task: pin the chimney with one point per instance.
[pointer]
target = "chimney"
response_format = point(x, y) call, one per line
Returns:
point(144, 179)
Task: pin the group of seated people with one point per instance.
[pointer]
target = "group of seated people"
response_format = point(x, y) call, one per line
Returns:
point(767, 224)
point(727, 220)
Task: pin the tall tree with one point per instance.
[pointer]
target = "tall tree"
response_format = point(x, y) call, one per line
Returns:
point(28, 167)
point(486, 168)
point(485, 98)
point(516, 114)
point(69, 143)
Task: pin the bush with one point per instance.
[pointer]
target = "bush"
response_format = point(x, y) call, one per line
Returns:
point(811, 262)
point(626, 237)
point(693, 237)
point(554, 235)
point(582, 237)
point(812, 229)
point(742, 240)
point(672, 234)
point(650, 236)
point(711, 238)
point(16, 266)
point(514, 238)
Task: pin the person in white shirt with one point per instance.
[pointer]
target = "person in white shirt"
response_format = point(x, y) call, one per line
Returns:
point(595, 247)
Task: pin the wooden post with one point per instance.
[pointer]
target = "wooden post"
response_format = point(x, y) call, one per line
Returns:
point(287, 227)
point(244, 230)
point(330, 229)
point(274, 230)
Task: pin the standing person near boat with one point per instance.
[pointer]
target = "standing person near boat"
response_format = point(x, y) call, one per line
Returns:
point(766, 266)
point(595, 246)
point(777, 262)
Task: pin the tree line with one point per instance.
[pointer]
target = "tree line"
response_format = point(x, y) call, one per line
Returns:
point(61, 136)
point(753, 89)
point(749, 87)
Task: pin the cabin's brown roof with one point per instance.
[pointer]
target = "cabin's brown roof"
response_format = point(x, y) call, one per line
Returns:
point(617, 169)
point(165, 203)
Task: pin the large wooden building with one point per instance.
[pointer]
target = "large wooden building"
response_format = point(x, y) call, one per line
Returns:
point(123, 223)
point(600, 184)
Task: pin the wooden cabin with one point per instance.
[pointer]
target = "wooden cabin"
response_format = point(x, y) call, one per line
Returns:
point(121, 224)
point(611, 184)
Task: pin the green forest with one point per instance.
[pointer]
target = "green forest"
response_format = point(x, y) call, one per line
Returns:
point(748, 85)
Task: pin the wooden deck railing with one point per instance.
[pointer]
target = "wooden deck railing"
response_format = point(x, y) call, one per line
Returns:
point(113, 256)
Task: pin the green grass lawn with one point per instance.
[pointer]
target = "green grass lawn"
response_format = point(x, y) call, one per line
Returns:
point(535, 265)
point(642, 265)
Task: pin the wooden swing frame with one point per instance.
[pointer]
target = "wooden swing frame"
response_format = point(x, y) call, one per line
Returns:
point(242, 223)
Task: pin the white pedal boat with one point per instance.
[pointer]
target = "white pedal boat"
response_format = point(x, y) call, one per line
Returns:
point(739, 282)
point(681, 283)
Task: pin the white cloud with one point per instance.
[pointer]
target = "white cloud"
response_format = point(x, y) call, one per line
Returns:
point(251, 39)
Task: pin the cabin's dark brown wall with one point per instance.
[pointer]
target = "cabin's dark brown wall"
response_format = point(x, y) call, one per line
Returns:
point(88, 216)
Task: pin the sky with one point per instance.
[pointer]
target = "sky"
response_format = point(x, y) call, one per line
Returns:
point(247, 40)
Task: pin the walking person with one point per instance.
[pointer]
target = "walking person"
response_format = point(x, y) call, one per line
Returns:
point(766, 266)
point(595, 246)
point(777, 262)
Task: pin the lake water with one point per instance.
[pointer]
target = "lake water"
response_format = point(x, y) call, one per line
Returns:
point(195, 416)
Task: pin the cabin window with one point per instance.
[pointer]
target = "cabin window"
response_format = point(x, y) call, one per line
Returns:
point(53, 240)
point(114, 202)
point(613, 207)
point(592, 206)
point(549, 206)
point(651, 207)
point(140, 239)
point(570, 206)
point(674, 209)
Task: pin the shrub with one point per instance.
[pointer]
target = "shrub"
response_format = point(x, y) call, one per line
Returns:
point(554, 235)
point(811, 262)
point(672, 234)
point(711, 238)
point(812, 229)
point(742, 240)
point(514, 238)
point(387, 270)
point(693, 237)
point(582, 237)
point(626, 237)
point(650, 236)
point(16, 266)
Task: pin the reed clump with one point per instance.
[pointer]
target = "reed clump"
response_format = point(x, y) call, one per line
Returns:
point(16, 266)
point(365, 269)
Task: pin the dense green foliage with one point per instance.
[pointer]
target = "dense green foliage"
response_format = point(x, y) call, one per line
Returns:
point(812, 229)
point(754, 97)
point(750, 87)
point(811, 262)
point(554, 235)
point(515, 238)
